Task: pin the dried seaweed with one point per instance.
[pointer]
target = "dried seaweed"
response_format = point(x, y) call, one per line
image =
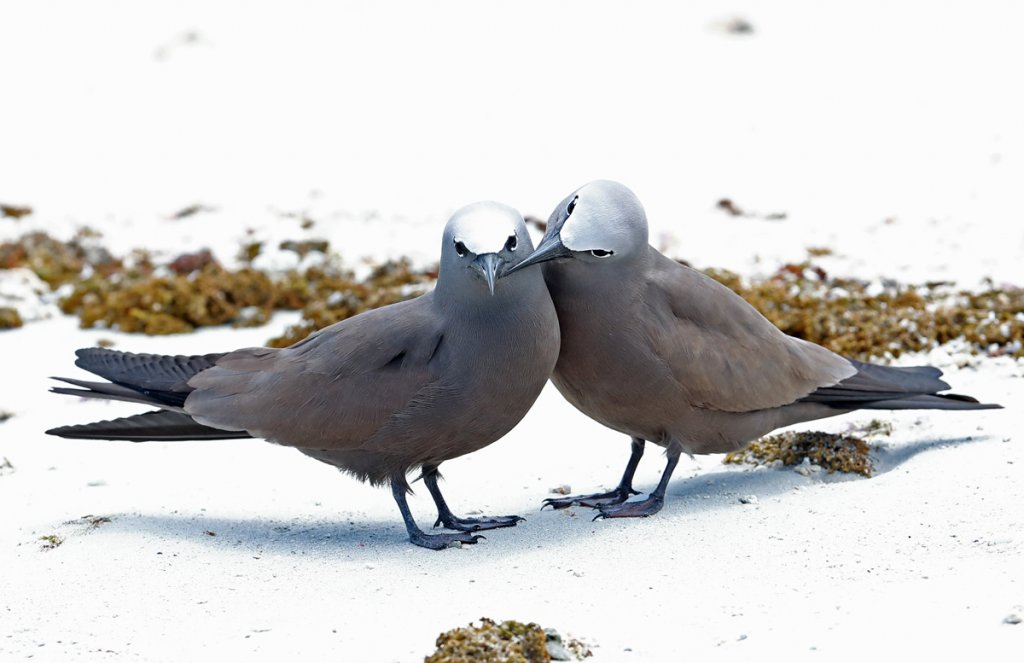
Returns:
point(15, 211)
point(51, 541)
point(149, 303)
point(490, 642)
point(10, 318)
point(835, 453)
point(196, 291)
point(329, 296)
point(52, 261)
point(851, 317)
point(854, 320)
point(305, 246)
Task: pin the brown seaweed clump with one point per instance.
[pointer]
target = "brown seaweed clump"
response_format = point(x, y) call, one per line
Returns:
point(15, 211)
point(305, 247)
point(849, 318)
point(327, 296)
point(144, 302)
point(194, 290)
point(10, 318)
point(52, 261)
point(57, 262)
point(835, 453)
point(490, 642)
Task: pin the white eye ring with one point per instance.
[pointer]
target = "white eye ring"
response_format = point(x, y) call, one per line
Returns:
point(601, 253)
point(512, 243)
point(571, 206)
point(460, 248)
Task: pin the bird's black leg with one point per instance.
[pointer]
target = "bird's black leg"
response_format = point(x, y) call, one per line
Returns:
point(450, 520)
point(654, 501)
point(617, 496)
point(416, 535)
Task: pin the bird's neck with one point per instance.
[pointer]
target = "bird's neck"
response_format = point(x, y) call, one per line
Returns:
point(513, 296)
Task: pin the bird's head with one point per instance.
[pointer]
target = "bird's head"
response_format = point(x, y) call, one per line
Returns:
point(485, 238)
point(601, 222)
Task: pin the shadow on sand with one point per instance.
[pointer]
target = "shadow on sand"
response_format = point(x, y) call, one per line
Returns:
point(356, 540)
point(770, 482)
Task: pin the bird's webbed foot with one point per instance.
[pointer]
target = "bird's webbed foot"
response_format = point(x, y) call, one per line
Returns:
point(621, 493)
point(451, 521)
point(594, 500)
point(443, 540)
point(418, 536)
point(638, 509)
point(654, 501)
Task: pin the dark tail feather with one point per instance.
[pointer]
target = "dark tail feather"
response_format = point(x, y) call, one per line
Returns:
point(108, 391)
point(876, 387)
point(158, 426)
point(162, 378)
point(930, 402)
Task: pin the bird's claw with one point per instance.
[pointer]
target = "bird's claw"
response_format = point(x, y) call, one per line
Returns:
point(592, 501)
point(446, 540)
point(558, 502)
point(640, 509)
point(477, 524)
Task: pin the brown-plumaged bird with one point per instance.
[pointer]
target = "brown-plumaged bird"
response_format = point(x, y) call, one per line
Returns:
point(666, 354)
point(378, 395)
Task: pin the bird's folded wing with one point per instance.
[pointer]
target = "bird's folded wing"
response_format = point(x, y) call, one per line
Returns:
point(333, 390)
point(723, 353)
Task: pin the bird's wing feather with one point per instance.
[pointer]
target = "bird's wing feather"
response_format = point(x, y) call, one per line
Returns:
point(160, 425)
point(144, 371)
point(333, 390)
point(725, 354)
point(163, 379)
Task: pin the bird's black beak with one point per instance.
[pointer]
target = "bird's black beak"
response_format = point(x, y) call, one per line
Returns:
point(550, 247)
point(489, 265)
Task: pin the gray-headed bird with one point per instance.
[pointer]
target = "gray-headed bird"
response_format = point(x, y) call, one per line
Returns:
point(666, 354)
point(399, 388)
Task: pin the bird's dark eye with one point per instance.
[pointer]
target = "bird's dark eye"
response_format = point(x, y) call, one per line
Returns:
point(512, 243)
point(571, 206)
point(601, 253)
point(460, 248)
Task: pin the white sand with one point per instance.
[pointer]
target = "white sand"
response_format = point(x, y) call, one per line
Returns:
point(890, 134)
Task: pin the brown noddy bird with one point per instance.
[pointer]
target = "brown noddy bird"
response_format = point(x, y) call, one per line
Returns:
point(381, 394)
point(666, 354)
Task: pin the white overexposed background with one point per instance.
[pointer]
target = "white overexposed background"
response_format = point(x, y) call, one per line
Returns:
point(891, 133)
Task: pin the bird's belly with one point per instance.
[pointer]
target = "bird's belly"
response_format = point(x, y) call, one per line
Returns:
point(472, 407)
point(635, 402)
point(623, 389)
point(663, 417)
point(453, 418)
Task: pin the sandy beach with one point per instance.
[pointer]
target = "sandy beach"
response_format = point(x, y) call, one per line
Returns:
point(890, 135)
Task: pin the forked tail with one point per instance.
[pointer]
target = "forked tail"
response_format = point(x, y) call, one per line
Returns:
point(149, 379)
point(876, 387)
